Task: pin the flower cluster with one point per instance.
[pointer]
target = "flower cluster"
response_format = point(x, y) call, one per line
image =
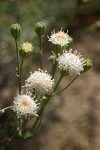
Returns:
point(40, 85)
point(40, 82)
point(37, 90)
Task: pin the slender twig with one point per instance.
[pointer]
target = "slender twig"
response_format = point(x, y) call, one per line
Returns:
point(54, 69)
point(18, 66)
point(41, 53)
point(3, 110)
point(66, 86)
point(40, 120)
point(7, 124)
point(12, 138)
point(61, 76)
point(17, 52)
point(40, 112)
point(21, 73)
point(54, 66)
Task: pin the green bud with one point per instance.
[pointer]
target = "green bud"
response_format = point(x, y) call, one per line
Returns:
point(15, 31)
point(97, 25)
point(40, 28)
point(52, 57)
point(70, 39)
point(87, 64)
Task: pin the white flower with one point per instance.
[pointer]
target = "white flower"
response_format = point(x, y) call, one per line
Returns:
point(71, 62)
point(41, 82)
point(24, 105)
point(60, 38)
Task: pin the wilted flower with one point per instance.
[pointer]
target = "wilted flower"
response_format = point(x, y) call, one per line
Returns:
point(71, 62)
point(60, 38)
point(41, 82)
point(24, 105)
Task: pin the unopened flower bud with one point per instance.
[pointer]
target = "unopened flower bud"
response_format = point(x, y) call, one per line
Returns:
point(97, 25)
point(87, 64)
point(15, 31)
point(52, 58)
point(40, 28)
point(70, 40)
point(26, 49)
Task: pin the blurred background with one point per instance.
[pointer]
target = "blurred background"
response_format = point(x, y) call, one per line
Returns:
point(72, 120)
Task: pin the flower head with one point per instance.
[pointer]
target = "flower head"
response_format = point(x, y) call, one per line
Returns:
point(26, 47)
point(24, 105)
point(71, 62)
point(41, 82)
point(60, 38)
point(40, 28)
point(15, 30)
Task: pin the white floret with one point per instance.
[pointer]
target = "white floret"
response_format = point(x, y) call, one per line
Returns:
point(24, 105)
point(41, 82)
point(71, 62)
point(60, 38)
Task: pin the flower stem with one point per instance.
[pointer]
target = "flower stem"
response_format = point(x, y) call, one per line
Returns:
point(54, 69)
point(18, 66)
point(41, 53)
point(3, 110)
point(40, 113)
point(61, 76)
point(20, 76)
point(66, 86)
point(48, 98)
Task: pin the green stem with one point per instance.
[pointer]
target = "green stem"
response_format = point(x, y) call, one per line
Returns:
point(20, 76)
point(57, 49)
point(40, 112)
point(66, 86)
point(61, 76)
point(42, 108)
point(54, 69)
point(40, 120)
point(41, 54)
point(17, 52)
point(2, 110)
point(12, 138)
point(18, 65)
